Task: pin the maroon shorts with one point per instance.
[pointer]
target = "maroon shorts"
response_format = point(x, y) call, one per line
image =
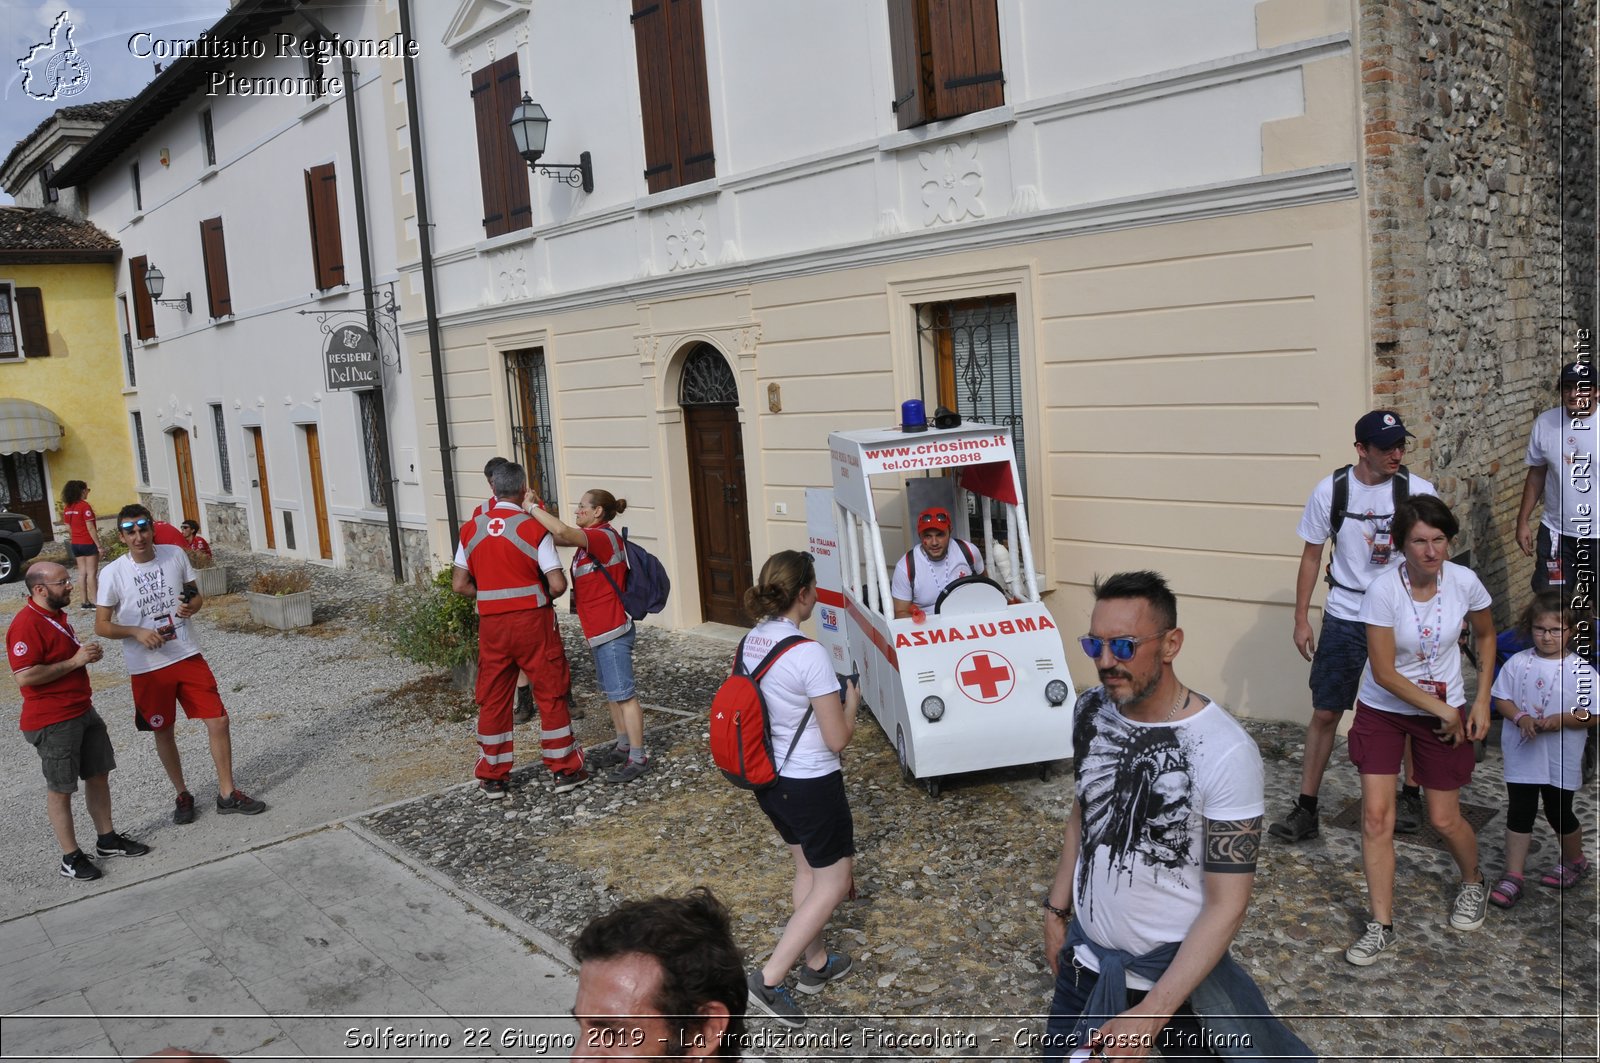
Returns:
point(1378, 738)
point(157, 694)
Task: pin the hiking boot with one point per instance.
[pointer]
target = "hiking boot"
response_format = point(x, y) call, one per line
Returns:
point(1472, 904)
point(605, 757)
point(629, 771)
point(184, 813)
point(526, 710)
point(811, 980)
point(1408, 813)
point(1297, 826)
point(240, 803)
point(114, 844)
point(776, 999)
point(78, 866)
point(1371, 945)
point(570, 780)
point(493, 789)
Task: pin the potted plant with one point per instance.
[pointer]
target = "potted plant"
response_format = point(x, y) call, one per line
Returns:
point(210, 577)
point(280, 600)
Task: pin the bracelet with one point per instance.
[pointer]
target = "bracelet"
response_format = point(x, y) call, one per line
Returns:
point(1518, 718)
point(1060, 913)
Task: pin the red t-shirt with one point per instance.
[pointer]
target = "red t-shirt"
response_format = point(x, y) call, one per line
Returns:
point(80, 519)
point(37, 636)
point(168, 535)
point(199, 544)
point(600, 611)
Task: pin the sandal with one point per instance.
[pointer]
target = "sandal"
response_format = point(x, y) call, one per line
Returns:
point(1507, 892)
point(1564, 875)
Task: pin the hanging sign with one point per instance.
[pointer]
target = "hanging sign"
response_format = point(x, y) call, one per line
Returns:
point(352, 359)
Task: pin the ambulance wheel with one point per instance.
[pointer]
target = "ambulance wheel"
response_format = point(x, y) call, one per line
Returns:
point(1044, 771)
point(931, 784)
point(900, 752)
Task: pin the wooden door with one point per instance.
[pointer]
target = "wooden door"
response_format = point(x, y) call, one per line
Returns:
point(261, 484)
point(185, 463)
point(721, 521)
point(22, 489)
point(319, 500)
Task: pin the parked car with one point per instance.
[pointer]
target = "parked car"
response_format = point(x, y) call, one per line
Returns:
point(20, 542)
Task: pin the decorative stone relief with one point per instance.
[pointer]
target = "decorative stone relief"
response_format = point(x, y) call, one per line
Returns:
point(1026, 200)
point(522, 34)
point(686, 238)
point(952, 183)
point(467, 64)
point(730, 253)
point(645, 347)
point(888, 223)
point(508, 276)
point(749, 338)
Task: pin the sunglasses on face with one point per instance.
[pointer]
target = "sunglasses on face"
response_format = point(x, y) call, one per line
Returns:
point(129, 525)
point(1123, 647)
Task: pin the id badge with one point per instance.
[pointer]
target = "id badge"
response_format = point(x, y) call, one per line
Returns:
point(1382, 548)
point(1434, 687)
point(1552, 571)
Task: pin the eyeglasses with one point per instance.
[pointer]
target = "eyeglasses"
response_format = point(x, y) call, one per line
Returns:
point(1123, 647)
point(129, 525)
point(55, 582)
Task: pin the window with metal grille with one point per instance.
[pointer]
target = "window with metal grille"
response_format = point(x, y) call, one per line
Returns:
point(707, 380)
point(8, 325)
point(969, 347)
point(371, 410)
point(220, 428)
point(208, 138)
point(532, 441)
point(127, 344)
point(138, 442)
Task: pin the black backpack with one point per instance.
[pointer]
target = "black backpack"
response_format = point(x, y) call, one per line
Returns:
point(911, 565)
point(1399, 484)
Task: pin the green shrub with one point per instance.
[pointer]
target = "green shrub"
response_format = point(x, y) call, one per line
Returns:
point(114, 546)
point(273, 581)
point(431, 624)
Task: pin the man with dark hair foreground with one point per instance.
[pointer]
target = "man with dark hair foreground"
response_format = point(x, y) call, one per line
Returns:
point(660, 979)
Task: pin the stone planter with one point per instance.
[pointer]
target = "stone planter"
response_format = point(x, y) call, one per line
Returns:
point(282, 611)
point(464, 677)
point(212, 581)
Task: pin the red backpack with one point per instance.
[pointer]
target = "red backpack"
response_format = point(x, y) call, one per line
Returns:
point(741, 732)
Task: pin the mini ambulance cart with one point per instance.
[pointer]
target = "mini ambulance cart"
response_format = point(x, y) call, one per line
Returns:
point(979, 680)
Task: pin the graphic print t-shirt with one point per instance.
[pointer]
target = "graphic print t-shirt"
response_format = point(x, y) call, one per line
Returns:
point(147, 596)
point(1145, 792)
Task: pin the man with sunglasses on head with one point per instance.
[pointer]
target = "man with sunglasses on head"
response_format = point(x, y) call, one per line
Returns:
point(1159, 855)
point(59, 720)
point(147, 597)
point(1365, 494)
point(927, 569)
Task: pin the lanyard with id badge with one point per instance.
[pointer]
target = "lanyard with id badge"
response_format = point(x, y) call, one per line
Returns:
point(1428, 636)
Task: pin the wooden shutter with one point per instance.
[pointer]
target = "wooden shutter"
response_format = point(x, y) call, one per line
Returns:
point(219, 300)
point(30, 323)
point(514, 172)
point(907, 31)
point(322, 214)
point(653, 48)
point(964, 37)
point(490, 172)
point(690, 94)
point(144, 316)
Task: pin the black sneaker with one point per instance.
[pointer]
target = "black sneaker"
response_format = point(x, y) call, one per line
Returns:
point(1298, 825)
point(776, 999)
point(493, 789)
point(629, 770)
point(608, 756)
point(78, 866)
point(570, 780)
point(114, 844)
point(526, 710)
point(184, 813)
point(811, 979)
point(240, 803)
point(1407, 813)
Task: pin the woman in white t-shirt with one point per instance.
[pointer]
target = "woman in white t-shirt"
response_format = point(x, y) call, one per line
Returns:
point(1412, 688)
point(807, 804)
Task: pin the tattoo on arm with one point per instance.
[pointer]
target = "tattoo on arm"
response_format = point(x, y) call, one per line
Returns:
point(1232, 845)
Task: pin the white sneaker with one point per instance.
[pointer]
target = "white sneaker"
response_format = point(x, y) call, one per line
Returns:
point(1472, 904)
point(1370, 945)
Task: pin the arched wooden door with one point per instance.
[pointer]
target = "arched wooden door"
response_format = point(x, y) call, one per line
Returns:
point(710, 399)
point(184, 461)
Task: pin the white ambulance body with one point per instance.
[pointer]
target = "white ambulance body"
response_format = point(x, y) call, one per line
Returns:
point(980, 679)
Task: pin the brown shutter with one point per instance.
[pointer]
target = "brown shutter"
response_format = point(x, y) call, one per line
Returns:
point(30, 322)
point(490, 172)
point(653, 48)
point(219, 300)
point(905, 48)
point(144, 316)
point(964, 37)
point(322, 213)
point(690, 94)
point(514, 172)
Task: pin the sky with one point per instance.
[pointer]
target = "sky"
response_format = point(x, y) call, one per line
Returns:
point(101, 29)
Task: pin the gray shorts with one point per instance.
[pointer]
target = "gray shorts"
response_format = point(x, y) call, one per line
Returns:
point(79, 748)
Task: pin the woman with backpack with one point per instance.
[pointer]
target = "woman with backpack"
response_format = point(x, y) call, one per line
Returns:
point(599, 575)
point(807, 803)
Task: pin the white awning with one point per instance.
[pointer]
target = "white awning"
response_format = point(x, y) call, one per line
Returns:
point(26, 426)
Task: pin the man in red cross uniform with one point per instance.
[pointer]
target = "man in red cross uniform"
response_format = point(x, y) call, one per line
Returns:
point(509, 563)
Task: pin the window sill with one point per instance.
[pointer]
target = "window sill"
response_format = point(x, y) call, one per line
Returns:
point(709, 187)
point(207, 174)
point(17, 360)
point(320, 294)
point(218, 322)
point(132, 389)
point(317, 105)
point(505, 240)
point(138, 216)
point(947, 129)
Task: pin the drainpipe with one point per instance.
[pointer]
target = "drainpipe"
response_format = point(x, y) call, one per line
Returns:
point(447, 452)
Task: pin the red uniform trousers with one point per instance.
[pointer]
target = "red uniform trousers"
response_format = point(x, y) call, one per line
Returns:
point(526, 640)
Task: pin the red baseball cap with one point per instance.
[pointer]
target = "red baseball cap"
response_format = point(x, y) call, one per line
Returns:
point(934, 517)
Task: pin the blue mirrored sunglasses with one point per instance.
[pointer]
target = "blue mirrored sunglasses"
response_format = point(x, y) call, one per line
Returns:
point(1123, 647)
point(129, 525)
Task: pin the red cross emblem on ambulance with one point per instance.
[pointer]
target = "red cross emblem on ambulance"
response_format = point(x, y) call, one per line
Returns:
point(497, 526)
point(986, 676)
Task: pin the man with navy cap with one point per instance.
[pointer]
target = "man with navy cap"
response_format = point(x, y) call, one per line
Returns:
point(1352, 506)
point(1562, 438)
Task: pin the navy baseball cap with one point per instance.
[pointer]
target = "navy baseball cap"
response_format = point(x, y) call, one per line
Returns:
point(1382, 429)
point(1577, 373)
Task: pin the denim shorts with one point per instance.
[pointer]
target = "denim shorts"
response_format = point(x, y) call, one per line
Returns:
point(613, 665)
point(1338, 663)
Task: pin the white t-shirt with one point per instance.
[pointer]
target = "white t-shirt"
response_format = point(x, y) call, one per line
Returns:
point(802, 673)
point(1564, 446)
point(1356, 559)
point(1145, 792)
point(1546, 688)
point(1426, 633)
point(933, 576)
point(147, 596)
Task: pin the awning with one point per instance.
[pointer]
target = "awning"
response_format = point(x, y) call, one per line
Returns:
point(26, 426)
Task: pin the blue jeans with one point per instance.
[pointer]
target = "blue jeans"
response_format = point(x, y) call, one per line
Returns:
point(613, 665)
point(1073, 986)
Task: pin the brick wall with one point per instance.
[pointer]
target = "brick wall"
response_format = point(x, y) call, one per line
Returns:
point(1480, 168)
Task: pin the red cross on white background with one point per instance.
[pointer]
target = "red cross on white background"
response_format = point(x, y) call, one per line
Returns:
point(497, 526)
point(986, 676)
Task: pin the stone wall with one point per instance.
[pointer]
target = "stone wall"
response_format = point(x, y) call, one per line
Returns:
point(366, 546)
point(227, 524)
point(156, 504)
point(1479, 167)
